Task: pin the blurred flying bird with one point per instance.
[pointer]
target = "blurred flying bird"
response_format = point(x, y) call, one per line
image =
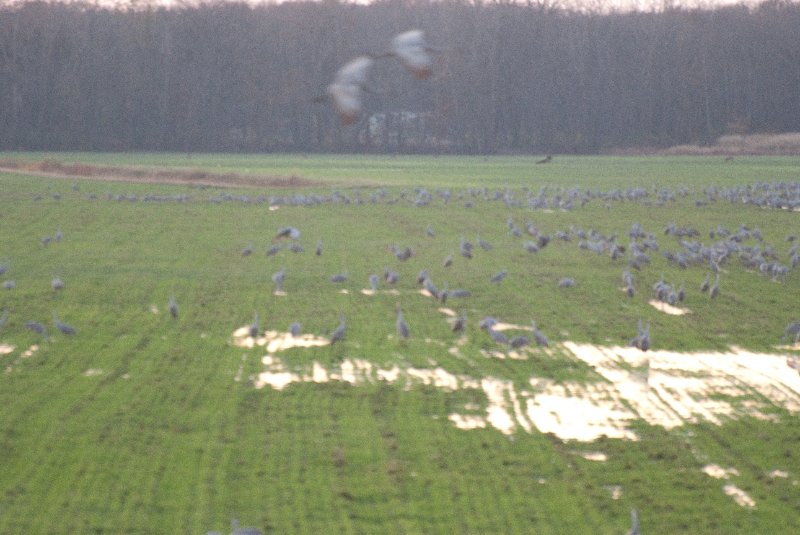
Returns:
point(347, 87)
point(413, 52)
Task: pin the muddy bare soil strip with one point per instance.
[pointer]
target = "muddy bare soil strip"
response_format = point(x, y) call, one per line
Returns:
point(56, 169)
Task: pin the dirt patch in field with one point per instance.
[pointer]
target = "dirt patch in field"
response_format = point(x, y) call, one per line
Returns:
point(5, 349)
point(189, 177)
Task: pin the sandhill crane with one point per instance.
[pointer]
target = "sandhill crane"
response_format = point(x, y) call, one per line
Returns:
point(497, 336)
point(57, 283)
point(347, 87)
point(255, 326)
point(287, 232)
point(705, 284)
point(713, 292)
point(401, 325)
point(391, 277)
point(338, 333)
point(294, 329)
point(278, 279)
point(421, 276)
point(36, 327)
point(431, 288)
point(63, 327)
point(499, 276)
point(413, 52)
point(546, 159)
point(487, 322)
point(792, 330)
point(519, 341)
point(339, 277)
point(642, 338)
point(236, 530)
point(3, 319)
point(634, 523)
point(459, 324)
point(173, 307)
point(318, 251)
point(373, 282)
point(539, 336)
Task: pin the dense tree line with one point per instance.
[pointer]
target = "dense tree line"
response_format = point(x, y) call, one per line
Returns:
point(513, 77)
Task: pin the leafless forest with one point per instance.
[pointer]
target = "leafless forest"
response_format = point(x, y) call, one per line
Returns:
point(510, 77)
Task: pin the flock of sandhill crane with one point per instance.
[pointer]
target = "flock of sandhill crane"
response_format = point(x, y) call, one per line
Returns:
point(348, 86)
point(56, 284)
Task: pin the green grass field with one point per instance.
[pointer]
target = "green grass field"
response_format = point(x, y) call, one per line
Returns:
point(144, 424)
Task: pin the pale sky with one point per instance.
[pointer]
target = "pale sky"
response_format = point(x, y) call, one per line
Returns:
point(603, 5)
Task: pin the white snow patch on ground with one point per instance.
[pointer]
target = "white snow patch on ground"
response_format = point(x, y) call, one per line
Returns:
point(718, 472)
point(663, 388)
point(667, 308)
point(739, 496)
